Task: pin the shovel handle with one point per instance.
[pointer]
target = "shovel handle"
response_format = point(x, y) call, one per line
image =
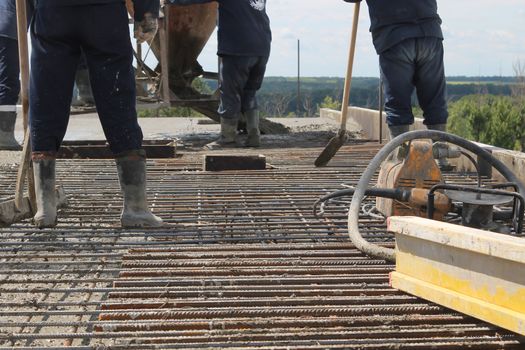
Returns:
point(349, 68)
point(23, 54)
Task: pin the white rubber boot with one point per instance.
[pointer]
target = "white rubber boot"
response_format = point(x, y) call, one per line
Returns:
point(44, 172)
point(131, 168)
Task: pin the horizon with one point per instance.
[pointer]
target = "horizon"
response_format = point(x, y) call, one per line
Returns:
point(482, 39)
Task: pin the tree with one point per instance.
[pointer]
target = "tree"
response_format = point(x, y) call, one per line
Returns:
point(330, 103)
point(495, 120)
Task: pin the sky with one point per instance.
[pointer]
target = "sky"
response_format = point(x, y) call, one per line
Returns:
point(482, 38)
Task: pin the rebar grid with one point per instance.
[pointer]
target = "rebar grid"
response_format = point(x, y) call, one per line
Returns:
point(244, 264)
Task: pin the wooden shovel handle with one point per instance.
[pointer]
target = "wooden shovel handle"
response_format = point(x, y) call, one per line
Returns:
point(23, 53)
point(349, 69)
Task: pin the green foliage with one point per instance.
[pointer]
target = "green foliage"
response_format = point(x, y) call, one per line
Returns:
point(329, 102)
point(495, 120)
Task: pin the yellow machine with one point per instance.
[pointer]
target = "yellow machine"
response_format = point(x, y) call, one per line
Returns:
point(475, 267)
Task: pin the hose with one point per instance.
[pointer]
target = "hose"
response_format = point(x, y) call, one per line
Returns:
point(394, 193)
point(361, 188)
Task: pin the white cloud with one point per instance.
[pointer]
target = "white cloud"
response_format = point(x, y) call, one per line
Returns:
point(483, 36)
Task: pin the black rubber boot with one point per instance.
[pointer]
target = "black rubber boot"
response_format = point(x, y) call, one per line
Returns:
point(252, 127)
point(131, 167)
point(228, 137)
point(7, 132)
point(443, 163)
point(44, 172)
point(395, 131)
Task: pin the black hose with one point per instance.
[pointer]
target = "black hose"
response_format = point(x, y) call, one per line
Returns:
point(360, 191)
point(394, 193)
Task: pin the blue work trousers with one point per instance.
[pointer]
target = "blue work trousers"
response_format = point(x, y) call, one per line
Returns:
point(240, 78)
point(414, 64)
point(9, 72)
point(59, 35)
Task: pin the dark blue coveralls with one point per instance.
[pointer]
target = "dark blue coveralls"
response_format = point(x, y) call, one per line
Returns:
point(9, 66)
point(60, 31)
point(408, 38)
point(244, 47)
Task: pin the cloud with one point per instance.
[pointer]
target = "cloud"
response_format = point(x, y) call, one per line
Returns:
point(484, 36)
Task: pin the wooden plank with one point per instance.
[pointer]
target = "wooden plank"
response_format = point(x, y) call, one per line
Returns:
point(234, 162)
point(476, 272)
point(155, 149)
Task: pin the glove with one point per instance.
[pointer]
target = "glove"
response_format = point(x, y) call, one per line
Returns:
point(352, 0)
point(146, 29)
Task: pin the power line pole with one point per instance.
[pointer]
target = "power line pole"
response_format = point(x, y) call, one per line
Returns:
point(298, 109)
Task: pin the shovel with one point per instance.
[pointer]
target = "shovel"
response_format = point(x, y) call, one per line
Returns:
point(339, 140)
point(24, 169)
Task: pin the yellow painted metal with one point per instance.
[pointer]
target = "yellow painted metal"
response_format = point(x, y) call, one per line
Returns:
point(497, 315)
point(479, 273)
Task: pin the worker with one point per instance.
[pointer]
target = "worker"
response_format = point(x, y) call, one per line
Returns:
point(60, 31)
point(407, 37)
point(244, 48)
point(9, 73)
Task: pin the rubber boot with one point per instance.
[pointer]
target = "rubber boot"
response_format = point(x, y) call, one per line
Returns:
point(443, 163)
point(252, 127)
point(228, 137)
point(395, 131)
point(44, 171)
point(7, 132)
point(131, 167)
point(85, 94)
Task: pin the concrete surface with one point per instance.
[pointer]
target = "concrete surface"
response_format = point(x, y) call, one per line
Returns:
point(193, 133)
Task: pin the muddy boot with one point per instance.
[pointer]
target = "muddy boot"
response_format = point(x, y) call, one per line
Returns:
point(443, 163)
point(252, 126)
point(228, 138)
point(44, 171)
point(85, 94)
point(395, 131)
point(131, 167)
point(7, 131)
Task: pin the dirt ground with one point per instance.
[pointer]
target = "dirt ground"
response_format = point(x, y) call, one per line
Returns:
point(192, 133)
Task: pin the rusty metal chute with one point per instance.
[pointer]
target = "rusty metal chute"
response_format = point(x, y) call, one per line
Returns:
point(185, 31)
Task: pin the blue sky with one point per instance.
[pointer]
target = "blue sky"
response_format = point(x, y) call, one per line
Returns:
point(482, 37)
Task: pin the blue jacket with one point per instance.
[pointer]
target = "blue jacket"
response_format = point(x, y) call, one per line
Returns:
point(141, 6)
point(244, 26)
point(393, 21)
point(8, 17)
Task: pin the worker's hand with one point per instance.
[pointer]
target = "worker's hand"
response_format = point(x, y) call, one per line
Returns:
point(146, 29)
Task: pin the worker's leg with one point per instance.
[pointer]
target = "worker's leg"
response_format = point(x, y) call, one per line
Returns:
point(431, 87)
point(9, 91)
point(107, 48)
point(54, 59)
point(430, 80)
point(233, 73)
point(397, 68)
point(108, 51)
point(249, 101)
